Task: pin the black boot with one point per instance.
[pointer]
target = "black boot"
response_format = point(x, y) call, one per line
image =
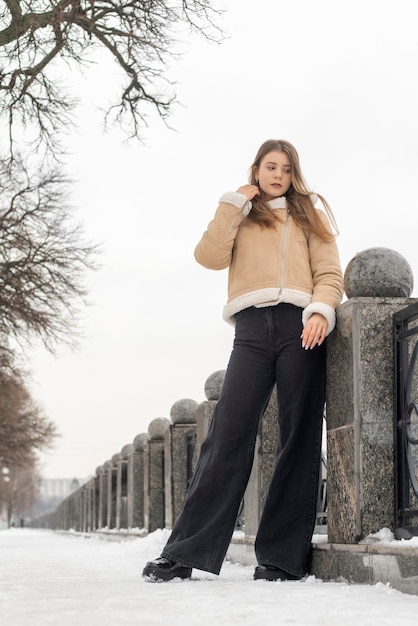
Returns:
point(270, 572)
point(163, 569)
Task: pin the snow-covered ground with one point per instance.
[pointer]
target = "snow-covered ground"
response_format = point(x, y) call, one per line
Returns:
point(73, 580)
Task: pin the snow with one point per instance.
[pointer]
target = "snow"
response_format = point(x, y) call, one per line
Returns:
point(74, 579)
point(385, 537)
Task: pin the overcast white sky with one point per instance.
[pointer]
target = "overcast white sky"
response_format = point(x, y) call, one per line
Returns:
point(338, 80)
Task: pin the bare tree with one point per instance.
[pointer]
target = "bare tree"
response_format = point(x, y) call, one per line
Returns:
point(43, 259)
point(19, 490)
point(140, 35)
point(24, 429)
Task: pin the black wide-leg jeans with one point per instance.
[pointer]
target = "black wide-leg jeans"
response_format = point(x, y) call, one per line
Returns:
point(267, 350)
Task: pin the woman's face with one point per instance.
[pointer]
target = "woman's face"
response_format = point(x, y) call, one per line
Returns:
point(274, 174)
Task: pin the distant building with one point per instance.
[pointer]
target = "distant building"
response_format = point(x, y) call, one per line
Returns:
point(58, 488)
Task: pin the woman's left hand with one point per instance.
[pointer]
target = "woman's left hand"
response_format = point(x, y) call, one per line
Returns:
point(314, 332)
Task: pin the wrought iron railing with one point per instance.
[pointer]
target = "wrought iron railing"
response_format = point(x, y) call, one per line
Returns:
point(321, 508)
point(191, 443)
point(406, 421)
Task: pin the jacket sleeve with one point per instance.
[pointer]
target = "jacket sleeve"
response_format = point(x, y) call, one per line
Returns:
point(214, 250)
point(327, 278)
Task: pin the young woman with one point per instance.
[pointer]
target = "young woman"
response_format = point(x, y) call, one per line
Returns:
point(285, 282)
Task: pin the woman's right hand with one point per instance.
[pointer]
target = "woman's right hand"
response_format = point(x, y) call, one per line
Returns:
point(250, 191)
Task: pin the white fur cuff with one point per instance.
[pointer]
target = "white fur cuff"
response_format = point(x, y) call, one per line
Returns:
point(237, 199)
point(324, 309)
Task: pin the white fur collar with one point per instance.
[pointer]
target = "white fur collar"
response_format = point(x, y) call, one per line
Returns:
point(278, 203)
point(281, 203)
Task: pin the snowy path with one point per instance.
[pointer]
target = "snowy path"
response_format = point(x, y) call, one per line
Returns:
point(70, 580)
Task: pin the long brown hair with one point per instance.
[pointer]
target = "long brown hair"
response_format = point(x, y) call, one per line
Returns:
point(298, 196)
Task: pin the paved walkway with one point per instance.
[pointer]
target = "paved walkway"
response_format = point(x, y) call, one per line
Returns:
point(73, 580)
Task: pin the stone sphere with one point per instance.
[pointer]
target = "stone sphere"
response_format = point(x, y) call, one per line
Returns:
point(378, 273)
point(127, 449)
point(157, 427)
point(184, 411)
point(99, 470)
point(116, 457)
point(107, 465)
point(140, 441)
point(213, 385)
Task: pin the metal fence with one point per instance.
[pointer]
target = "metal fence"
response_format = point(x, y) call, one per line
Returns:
point(406, 421)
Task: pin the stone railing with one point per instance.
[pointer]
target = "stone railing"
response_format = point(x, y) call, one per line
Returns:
point(142, 487)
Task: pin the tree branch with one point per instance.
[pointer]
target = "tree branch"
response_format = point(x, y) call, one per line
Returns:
point(137, 34)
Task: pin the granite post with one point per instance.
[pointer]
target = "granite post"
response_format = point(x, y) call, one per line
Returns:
point(83, 507)
point(205, 410)
point(154, 508)
point(63, 515)
point(102, 500)
point(88, 505)
point(91, 503)
point(122, 487)
point(111, 470)
point(179, 444)
point(72, 516)
point(96, 501)
point(360, 397)
point(66, 514)
point(136, 482)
